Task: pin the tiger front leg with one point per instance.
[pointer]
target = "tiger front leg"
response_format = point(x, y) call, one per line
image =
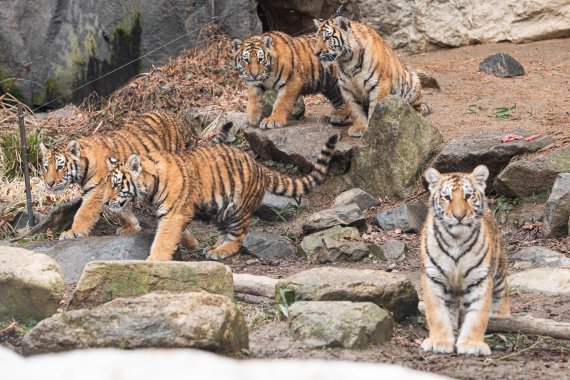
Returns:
point(439, 318)
point(284, 102)
point(229, 241)
point(87, 215)
point(168, 234)
point(359, 116)
point(128, 221)
point(254, 105)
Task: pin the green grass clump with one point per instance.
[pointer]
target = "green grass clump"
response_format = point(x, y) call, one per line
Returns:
point(11, 155)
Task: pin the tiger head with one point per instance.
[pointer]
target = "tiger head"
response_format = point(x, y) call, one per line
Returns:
point(253, 58)
point(334, 38)
point(121, 182)
point(458, 199)
point(61, 166)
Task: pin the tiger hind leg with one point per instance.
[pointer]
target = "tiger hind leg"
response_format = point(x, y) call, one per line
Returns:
point(229, 240)
point(188, 240)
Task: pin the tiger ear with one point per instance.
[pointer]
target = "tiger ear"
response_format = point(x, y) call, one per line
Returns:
point(432, 177)
point(236, 44)
point(111, 163)
point(318, 23)
point(267, 41)
point(134, 164)
point(43, 148)
point(74, 148)
point(480, 175)
point(343, 23)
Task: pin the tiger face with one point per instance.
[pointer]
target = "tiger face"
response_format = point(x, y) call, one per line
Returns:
point(253, 58)
point(120, 185)
point(61, 167)
point(332, 39)
point(458, 199)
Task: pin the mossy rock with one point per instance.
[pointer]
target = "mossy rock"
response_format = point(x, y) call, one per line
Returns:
point(269, 97)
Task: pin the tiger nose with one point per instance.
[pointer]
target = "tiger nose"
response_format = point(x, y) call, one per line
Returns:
point(51, 183)
point(459, 216)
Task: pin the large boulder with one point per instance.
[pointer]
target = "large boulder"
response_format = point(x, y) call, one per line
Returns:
point(558, 208)
point(391, 291)
point(73, 255)
point(196, 319)
point(464, 154)
point(536, 175)
point(57, 46)
point(103, 281)
point(551, 281)
point(395, 150)
point(31, 285)
point(320, 324)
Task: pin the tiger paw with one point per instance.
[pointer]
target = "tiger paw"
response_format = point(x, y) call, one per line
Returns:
point(126, 230)
point(425, 109)
point(70, 235)
point(271, 122)
point(225, 250)
point(356, 130)
point(472, 347)
point(338, 117)
point(437, 346)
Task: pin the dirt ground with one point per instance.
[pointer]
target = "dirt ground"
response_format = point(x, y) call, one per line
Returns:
point(467, 104)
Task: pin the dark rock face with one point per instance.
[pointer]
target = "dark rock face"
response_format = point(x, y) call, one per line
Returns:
point(558, 208)
point(61, 45)
point(502, 65)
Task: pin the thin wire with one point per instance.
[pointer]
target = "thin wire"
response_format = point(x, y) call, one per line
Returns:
point(144, 55)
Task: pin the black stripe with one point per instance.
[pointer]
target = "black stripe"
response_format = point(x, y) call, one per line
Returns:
point(440, 283)
point(474, 284)
point(477, 264)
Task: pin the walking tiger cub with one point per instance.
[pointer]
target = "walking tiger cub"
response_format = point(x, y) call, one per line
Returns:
point(465, 265)
point(217, 183)
point(368, 69)
point(83, 161)
point(287, 65)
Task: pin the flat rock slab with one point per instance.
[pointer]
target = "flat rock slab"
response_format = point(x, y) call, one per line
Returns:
point(267, 246)
point(299, 145)
point(320, 324)
point(103, 281)
point(275, 208)
point(409, 217)
point(358, 196)
point(73, 255)
point(311, 243)
point(349, 215)
point(541, 257)
point(558, 208)
point(31, 285)
point(261, 286)
point(554, 281)
point(196, 319)
point(463, 155)
point(502, 65)
point(391, 291)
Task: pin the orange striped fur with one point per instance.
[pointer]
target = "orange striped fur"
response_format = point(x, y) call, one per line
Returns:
point(216, 183)
point(287, 65)
point(465, 265)
point(368, 68)
point(83, 162)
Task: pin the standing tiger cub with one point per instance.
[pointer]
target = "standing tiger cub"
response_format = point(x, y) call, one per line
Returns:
point(368, 69)
point(287, 65)
point(216, 183)
point(465, 265)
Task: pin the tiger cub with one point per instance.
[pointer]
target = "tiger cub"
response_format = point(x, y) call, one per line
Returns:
point(287, 65)
point(465, 265)
point(368, 69)
point(217, 183)
point(83, 161)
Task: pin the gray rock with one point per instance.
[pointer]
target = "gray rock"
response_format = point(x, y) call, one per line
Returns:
point(298, 111)
point(31, 285)
point(541, 257)
point(314, 241)
point(394, 250)
point(391, 291)
point(70, 46)
point(267, 246)
point(464, 154)
point(396, 148)
point(558, 208)
point(200, 118)
point(342, 215)
point(525, 178)
point(320, 324)
point(103, 281)
point(275, 208)
point(409, 217)
point(196, 319)
point(502, 65)
point(59, 218)
point(299, 146)
point(21, 222)
point(334, 251)
point(73, 255)
point(552, 281)
point(358, 196)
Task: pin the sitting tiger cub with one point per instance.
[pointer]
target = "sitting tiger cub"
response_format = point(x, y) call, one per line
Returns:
point(287, 65)
point(83, 161)
point(465, 265)
point(216, 183)
point(368, 69)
